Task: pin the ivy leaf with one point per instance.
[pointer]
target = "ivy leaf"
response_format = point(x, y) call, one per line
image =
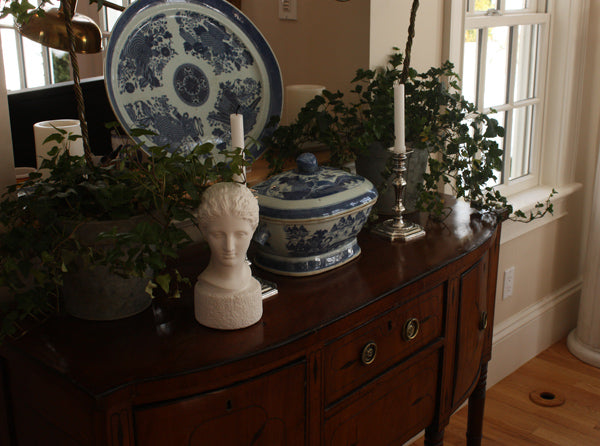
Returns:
point(164, 281)
point(150, 286)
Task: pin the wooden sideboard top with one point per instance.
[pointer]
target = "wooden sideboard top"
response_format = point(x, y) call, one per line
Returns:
point(165, 341)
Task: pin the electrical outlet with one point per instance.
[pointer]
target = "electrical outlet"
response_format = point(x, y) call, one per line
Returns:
point(509, 282)
point(288, 9)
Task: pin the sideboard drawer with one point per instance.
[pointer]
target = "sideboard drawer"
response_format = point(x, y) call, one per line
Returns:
point(368, 351)
point(267, 410)
point(390, 410)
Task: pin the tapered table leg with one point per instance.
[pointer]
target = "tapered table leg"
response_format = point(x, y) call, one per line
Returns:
point(434, 437)
point(476, 407)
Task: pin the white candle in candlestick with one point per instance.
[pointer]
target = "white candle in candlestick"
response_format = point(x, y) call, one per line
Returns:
point(236, 121)
point(399, 144)
point(237, 130)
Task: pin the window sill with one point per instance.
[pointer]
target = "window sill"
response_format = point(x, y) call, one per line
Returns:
point(525, 201)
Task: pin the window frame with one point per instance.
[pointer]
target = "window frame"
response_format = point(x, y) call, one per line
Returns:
point(567, 43)
point(532, 6)
point(536, 15)
point(46, 60)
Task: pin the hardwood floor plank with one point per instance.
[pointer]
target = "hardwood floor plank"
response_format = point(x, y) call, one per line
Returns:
point(512, 419)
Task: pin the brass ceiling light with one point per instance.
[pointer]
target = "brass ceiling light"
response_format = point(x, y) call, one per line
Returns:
point(63, 29)
point(48, 28)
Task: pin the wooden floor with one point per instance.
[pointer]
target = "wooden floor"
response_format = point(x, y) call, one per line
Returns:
point(511, 418)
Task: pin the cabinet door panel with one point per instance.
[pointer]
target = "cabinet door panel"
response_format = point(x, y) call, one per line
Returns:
point(269, 410)
point(472, 324)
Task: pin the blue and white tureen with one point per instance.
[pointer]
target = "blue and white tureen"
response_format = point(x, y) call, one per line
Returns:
point(310, 217)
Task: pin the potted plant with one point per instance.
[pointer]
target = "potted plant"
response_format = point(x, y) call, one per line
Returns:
point(50, 227)
point(453, 144)
point(362, 127)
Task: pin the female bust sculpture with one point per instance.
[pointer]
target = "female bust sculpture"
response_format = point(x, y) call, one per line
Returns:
point(226, 296)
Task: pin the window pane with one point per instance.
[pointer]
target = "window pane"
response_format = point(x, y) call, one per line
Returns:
point(520, 144)
point(484, 5)
point(496, 74)
point(515, 4)
point(61, 66)
point(470, 63)
point(111, 17)
point(9, 52)
point(7, 21)
point(525, 74)
point(34, 63)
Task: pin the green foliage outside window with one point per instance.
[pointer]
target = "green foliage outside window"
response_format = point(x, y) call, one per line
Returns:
point(61, 67)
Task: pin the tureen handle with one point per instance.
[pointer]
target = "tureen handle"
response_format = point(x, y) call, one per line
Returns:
point(307, 163)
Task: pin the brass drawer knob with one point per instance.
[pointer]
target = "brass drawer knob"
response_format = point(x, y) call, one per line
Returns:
point(411, 329)
point(368, 354)
point(483, 321)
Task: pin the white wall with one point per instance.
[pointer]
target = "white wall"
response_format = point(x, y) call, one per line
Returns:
point(389, 28)
point(325, 46)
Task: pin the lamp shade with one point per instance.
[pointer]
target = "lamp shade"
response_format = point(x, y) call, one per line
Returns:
point(49, 29)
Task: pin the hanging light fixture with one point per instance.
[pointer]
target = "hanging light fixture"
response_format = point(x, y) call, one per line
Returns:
point(63, 29)
point(48, 28)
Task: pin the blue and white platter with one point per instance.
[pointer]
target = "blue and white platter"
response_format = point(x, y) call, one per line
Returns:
point(310, 217)
point(180, 67)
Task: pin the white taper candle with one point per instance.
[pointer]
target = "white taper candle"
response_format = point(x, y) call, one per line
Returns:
point(236, 121)
point(399, 143)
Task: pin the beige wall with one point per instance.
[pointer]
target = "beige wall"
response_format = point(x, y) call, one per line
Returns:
point(325, 46)
point(545, 260)
point(389, 29)
point(331, 39)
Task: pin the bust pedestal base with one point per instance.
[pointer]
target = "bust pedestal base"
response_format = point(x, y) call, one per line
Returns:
point(225, 309)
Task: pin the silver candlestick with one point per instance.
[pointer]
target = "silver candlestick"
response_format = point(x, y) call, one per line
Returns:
point(396, 229)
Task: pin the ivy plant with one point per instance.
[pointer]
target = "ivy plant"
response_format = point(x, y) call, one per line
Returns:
point(462, 143)
point(42, 217)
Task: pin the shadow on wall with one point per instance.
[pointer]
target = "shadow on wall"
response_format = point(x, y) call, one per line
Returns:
point(58, 102)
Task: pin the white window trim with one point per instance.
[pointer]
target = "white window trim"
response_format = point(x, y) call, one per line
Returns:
point(7, 161)
point(484, 21)
point(567, 31)
point(531, 6)
point(533, 17)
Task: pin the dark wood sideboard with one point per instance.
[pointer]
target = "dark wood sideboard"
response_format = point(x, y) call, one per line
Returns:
point(370, 353)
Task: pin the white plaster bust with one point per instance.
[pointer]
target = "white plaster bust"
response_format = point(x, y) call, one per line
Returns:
point(226, 296)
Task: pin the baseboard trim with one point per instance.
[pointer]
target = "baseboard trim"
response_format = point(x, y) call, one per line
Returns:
point(526, 334)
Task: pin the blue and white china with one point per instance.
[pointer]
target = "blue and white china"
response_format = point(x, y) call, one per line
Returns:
point(310, 217)
point(179, 68)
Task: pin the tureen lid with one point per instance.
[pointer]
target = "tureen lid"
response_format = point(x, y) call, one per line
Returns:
point(311, 191)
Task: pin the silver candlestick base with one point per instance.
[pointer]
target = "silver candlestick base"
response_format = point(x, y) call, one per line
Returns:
point(396, 229)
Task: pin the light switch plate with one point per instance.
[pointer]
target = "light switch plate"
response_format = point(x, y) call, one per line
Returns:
point(509, 281)
point(288, 9)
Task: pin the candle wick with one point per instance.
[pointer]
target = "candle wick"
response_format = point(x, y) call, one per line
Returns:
point(237, 110)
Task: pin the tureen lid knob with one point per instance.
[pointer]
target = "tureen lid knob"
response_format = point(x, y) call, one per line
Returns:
point(307, 163)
